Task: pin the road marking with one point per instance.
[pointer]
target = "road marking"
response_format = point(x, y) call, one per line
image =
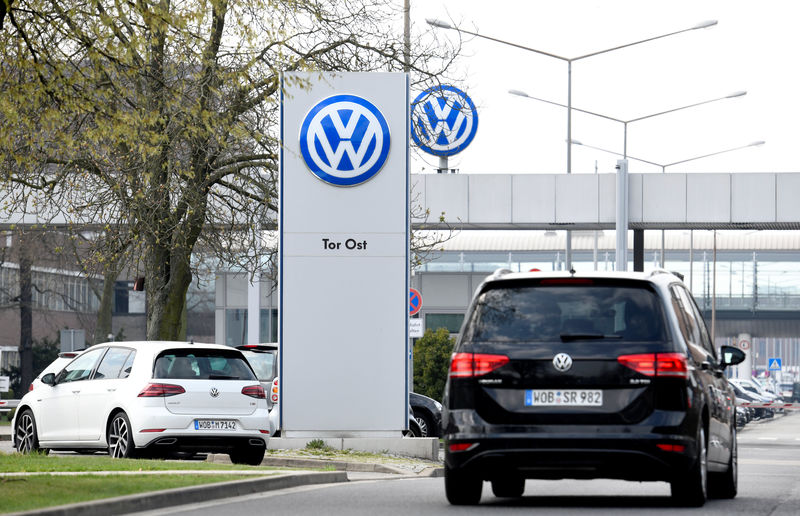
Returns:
point(764, 462)
point(767, 438)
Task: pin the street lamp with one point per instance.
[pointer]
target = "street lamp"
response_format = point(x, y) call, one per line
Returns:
point(569, 60)
point(664, 169)
point(622, 210)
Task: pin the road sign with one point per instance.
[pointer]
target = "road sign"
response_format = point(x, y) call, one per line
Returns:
point(416, 329)
point(744, 344)
point(5, 383)
point(414, 301)
point(774, 364)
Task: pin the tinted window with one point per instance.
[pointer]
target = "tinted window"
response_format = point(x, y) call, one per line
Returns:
point(262, 363)
point(202, 364)
point(111, 365)
point(534, 311)
point(81, 367)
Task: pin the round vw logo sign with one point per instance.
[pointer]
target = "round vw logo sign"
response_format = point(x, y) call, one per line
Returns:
point(344, 140)
point(562, 362)
point(444, 120)
point(214, 392)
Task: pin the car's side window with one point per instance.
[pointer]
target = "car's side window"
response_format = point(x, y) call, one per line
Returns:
point(112, 363)
point(705, 338)
point(80, 368)
point(128, 365)
point(686, 316)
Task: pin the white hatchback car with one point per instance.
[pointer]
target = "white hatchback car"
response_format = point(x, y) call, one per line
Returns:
point(148, 398)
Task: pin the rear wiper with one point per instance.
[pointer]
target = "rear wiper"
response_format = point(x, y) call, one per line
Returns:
point(587, 336)
point(222, 377)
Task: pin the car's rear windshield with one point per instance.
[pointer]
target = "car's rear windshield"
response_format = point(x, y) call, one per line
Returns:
point(263, 364)
point(202, 364)
point(562, 310)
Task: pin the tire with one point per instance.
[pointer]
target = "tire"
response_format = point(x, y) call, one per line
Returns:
point(462, 488)
point(26, 436)
point(691, 488)
point(252, 456)
point(725, 485)
point(427, 427)
point(120, 437)
point(413, 429)
point(508, 487)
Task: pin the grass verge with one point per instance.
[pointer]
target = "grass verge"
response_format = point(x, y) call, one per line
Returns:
point(38, 462)
point(40, 491)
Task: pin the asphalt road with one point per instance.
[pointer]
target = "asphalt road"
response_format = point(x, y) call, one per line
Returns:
point(769, 484)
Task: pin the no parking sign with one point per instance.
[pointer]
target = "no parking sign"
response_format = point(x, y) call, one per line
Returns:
point(414, 301)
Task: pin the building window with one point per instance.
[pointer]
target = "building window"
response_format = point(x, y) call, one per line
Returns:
point(450, 321)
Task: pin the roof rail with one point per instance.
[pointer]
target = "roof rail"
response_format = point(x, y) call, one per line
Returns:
point(664, 271)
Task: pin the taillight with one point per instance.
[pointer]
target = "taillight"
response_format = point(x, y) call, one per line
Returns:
point(657, 364)
point(457, 447)
point(465, 365)
point(30, 387)
point(679, 448)
point(254, 391)
point(273, 396)
point(161, 390)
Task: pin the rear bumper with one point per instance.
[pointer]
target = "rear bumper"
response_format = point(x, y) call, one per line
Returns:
point(628, 452)
point(204, 443)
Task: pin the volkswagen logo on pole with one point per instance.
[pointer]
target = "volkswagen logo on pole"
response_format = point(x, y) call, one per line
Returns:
point(444, 120)
point(344, 140)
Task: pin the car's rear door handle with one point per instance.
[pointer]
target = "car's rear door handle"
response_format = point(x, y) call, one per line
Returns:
point(111, 390)
point(75, 392)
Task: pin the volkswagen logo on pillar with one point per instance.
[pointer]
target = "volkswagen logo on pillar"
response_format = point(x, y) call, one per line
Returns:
point(344, 140)
point(444, 120)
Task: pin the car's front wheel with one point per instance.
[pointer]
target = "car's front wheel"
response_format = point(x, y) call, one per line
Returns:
point(251, 456)
point(691, 488)
point(462, 488)
point(120, 437)
point(27, 437)
point(425, 422)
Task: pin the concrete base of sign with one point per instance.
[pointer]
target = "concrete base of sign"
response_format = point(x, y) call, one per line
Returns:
point(420, 447)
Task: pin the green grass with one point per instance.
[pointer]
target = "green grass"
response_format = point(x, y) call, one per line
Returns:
point(39, 491)
point(37, 462)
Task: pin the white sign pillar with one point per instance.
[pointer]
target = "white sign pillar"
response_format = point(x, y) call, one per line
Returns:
point(745, 343)
point(344, 245)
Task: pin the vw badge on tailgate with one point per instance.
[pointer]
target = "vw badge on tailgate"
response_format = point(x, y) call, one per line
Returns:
point(214, 392)
point(562, 362)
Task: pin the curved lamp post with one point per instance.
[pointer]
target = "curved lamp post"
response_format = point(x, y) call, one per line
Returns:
point(569, 60)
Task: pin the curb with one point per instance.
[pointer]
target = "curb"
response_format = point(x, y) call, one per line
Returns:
point(338, 465)
point(186, 495)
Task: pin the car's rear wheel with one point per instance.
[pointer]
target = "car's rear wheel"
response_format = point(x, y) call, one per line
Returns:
point(27, 437)
point(508, 487)
point(251, 456)
point(120, 437)
point(691, 488)
point(462, 488)
point(725, 485)
point(413, 429)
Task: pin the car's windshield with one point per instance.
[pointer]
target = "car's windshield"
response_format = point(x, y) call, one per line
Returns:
point(202, 364)
point(544, 311)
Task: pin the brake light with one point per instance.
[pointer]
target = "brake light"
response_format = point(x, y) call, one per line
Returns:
point(567, 281)
point(273, 396)
point(161, 390)
point(679, 448)
point(457, 447)
point(464, 365)
point(254, 391)
point(30, 387)
point(657, 364)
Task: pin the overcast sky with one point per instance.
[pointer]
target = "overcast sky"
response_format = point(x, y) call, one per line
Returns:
point(754, 47)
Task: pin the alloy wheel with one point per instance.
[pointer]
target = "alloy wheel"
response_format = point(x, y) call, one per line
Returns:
point(118, 438)
point(26, 433)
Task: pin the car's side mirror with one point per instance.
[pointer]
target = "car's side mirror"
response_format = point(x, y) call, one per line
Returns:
point(731, 356)
point(49, 379)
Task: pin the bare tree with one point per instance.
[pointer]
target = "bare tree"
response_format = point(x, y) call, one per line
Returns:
point(162, 116)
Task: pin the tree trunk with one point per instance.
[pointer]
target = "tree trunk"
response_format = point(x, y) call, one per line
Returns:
point(25, 316)
point(106, 308)
point(167, 279)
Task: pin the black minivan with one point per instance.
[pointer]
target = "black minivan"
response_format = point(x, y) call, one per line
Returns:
point(601, 375)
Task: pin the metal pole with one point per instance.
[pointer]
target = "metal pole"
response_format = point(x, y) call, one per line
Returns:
point(568, 250)
point(622, 215)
